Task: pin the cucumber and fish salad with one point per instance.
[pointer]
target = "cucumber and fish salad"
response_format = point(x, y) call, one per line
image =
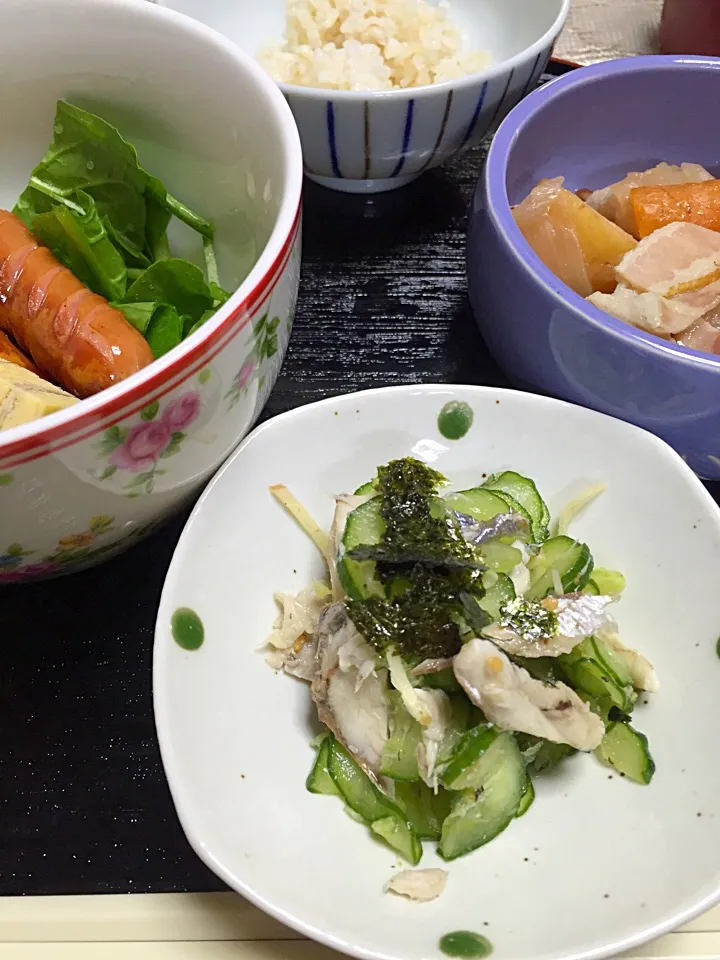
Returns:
point(461, 647)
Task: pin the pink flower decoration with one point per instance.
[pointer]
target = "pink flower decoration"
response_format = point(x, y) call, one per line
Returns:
point(29, 570)
point(143, 445)
point(182, 411)
point(246, 371)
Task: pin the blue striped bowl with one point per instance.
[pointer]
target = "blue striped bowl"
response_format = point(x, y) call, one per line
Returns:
point(367, 142)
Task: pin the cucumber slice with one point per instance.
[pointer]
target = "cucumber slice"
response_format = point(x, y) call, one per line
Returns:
point(570, 558)
point(366, 489)
point(542, 755)
point(319, 779)
point(615, 662)
point(589, 669)
point(483, 504)
point(524, 491)
point(527, 799)
point(592, 678)
point(424, 809)
point(365, 799)
point(497, 595)
point(549, 756)
point(481, 813)
point(364, 525)
point(463, 715)
point(469, 759)
point(499, 556)
point(359, 578)
point(400, 836)
point(399, 756)
point(609, 582)
point(592, 588)
point(546, 669)
point(627, 751)
point(356, 788)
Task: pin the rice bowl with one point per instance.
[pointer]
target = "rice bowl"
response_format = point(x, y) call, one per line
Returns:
point(371, 140)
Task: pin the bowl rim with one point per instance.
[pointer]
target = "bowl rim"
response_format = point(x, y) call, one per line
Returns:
point(215, 859)
point(494, 181)
point(494, 70)
point(58, 430)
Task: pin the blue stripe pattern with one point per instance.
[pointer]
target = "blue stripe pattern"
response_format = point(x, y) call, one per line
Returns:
point(526, 88)
point(476, 114)
point(330, 117)
point(406, 137)
point(501, 102)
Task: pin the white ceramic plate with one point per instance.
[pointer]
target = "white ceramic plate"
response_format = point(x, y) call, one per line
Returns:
point(598, 865)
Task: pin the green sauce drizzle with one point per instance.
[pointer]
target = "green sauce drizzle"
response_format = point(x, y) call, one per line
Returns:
point(455, 419)
point(465, 943)
point(187, 629)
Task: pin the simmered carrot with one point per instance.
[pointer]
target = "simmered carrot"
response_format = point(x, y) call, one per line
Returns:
point(614, 201)
point(656, 206)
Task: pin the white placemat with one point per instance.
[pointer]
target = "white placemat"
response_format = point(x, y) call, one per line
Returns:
point(215, 926)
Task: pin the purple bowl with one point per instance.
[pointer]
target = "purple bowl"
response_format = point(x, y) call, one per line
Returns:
point(592, 127)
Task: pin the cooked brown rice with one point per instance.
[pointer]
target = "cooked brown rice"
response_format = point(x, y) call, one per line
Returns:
point(369, 45)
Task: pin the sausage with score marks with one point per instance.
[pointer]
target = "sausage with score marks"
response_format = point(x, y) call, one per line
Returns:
point(74, 336)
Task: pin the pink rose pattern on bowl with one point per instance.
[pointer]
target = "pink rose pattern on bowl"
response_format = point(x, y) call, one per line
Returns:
point(241, 382)
point(138, 470)
point(139, 449)
point(265, 346)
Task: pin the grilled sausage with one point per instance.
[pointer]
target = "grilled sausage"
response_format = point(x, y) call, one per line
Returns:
point(72, 334)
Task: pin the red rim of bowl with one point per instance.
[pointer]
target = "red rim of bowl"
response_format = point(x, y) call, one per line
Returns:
point(62, 429)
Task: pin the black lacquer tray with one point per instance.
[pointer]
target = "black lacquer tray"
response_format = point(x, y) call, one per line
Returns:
point(84, 806)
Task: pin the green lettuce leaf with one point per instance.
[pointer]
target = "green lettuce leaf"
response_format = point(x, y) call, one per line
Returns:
point(80, 241)
point(89, 154)
point(178, 283)
point(161, 324)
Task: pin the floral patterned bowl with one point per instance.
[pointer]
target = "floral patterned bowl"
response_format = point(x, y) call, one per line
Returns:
point(82, 484)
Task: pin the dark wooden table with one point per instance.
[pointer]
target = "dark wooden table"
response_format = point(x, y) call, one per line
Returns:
point(84, 805)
